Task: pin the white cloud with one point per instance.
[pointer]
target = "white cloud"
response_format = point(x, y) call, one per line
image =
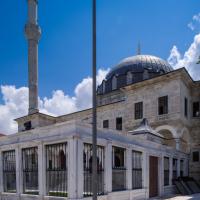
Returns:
point(196, 17)
point(15, 102)
point(188, 59)
point(195, 23)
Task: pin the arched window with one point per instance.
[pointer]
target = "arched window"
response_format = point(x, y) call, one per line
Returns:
point(145, 74)
point(104, 86)
point(129, 78)
point(114, 83)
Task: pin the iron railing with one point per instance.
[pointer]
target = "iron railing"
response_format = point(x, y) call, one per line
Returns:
point(56, 170)
point(118, 169)
point(87, 163)
point(30, 170)
point(136, 170)
point(166, 171)
point(9, 171)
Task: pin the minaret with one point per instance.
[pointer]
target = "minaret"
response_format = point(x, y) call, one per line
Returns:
point(33, 33)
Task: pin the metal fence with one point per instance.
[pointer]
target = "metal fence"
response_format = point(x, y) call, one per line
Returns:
point(56, 170)
point(9, 171)
point(166, 171)
point(87, 164)
point(30, 170)
point(118, 169)
point(136, 170)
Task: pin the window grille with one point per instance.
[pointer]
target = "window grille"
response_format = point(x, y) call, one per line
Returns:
point(119, 123)
point(87, 163)
point(166, 171)
point(136, 170)
point(30, 170)
point(181, 168)
point(118, 169)
point(56, 170)
point(163, 105)
point(174, 168)
point(9, 171)
point(139, 110)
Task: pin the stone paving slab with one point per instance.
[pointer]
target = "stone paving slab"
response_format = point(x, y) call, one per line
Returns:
point(178, 197)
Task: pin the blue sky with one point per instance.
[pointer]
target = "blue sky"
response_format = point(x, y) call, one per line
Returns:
point(169, 29)
point(65, 46)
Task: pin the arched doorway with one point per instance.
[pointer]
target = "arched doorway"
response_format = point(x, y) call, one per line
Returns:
point(169, 134)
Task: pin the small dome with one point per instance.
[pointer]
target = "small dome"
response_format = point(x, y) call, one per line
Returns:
point(133, 69)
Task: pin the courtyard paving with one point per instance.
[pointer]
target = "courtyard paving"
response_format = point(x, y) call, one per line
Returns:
point(179, 197)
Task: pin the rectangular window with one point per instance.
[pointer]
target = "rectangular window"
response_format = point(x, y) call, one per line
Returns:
point(186, 107)
point(181, 168)
point(9, 171)
point(139, 110)
point(30, 170)
point(118, 169)
point(87, 163)
point(196, 109)
point(119, 123)
point(56, 170)
point(195, 156)
point(174, 168)
point(136, 170)
point(163, 105)
point(105, 124)
point(166, 171)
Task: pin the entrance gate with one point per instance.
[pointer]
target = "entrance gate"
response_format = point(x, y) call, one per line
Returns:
point(153, 176)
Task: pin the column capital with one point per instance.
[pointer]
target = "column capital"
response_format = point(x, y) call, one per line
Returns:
point(32, 31)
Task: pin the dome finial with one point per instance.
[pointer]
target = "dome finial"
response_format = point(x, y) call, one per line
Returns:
point(139, 48)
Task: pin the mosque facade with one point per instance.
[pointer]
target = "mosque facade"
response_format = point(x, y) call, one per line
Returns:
point(148, 135)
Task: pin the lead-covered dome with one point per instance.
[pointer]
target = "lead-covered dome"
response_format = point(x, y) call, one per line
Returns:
point(133, 69)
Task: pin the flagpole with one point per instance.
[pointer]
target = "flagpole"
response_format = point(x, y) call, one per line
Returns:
point(94, 112)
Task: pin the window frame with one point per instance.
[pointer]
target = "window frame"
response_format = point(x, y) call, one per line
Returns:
point(118, 170)
point(166, 171)
point(165, 101)
point(195, 158)
point(119, 126)
point(137, 169)
point(106, 123)
point(9, 170)
point(194, 112)
point(138, 110)
point(186, 107)
point(56, 167)
point(27, 170)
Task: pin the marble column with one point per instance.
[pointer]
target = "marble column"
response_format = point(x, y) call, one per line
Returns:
point(108, 168)
point(129, 169)
point(177, 140)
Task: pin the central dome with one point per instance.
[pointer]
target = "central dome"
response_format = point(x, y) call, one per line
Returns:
point(139, 63)
point(133, 69)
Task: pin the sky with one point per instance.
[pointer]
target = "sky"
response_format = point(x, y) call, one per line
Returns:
point(168, 29)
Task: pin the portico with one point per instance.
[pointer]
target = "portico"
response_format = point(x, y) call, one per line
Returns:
point(63, 162)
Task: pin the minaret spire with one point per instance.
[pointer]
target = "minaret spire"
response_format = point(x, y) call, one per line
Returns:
point(33, 33)
point(138, 49)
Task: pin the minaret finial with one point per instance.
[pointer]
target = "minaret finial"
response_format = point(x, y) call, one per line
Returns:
point(138, 49)
point(33, 32)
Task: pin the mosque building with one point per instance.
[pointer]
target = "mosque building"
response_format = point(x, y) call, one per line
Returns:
point(148, 119)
